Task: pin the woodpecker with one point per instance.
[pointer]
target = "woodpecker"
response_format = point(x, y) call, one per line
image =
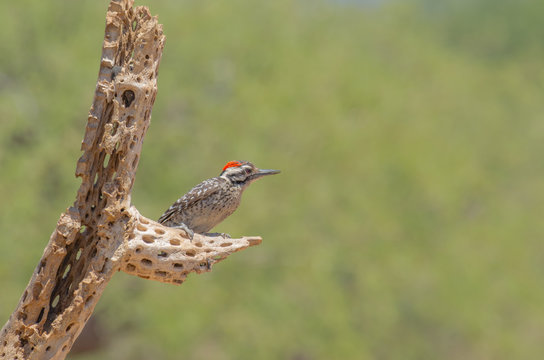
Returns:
point(213, 200)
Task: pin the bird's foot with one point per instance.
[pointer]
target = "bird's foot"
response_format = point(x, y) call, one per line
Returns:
point(190, 233)
point(223, 235)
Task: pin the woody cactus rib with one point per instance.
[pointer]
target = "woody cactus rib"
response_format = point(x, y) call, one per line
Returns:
point(102, 233)
point(165, 254)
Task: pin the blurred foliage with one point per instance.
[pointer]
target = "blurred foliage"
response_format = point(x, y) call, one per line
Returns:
point(405, 223)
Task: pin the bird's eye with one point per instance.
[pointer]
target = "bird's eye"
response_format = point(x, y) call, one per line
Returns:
point(248, 171)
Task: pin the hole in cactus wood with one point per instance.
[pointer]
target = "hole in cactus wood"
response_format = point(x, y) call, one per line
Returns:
point(66, 271)
point(128, 97)
point(146, 262)
point(148, 239)
point(55, 301)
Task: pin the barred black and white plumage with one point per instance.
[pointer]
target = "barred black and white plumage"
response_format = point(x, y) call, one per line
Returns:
point(213, 200)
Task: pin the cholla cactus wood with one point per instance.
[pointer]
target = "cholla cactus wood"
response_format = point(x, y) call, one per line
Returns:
point(102, 233)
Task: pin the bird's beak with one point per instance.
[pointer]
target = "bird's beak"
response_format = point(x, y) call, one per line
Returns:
point(264, 172)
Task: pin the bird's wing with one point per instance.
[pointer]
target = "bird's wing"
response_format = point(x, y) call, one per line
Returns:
point(201, 191)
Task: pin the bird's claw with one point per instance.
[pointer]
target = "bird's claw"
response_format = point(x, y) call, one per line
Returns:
point(190, 233)
point(223, 235)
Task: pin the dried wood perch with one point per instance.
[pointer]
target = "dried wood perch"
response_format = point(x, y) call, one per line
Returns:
point(102, 233)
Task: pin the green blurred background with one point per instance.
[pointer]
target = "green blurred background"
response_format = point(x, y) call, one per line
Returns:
point(406, 223)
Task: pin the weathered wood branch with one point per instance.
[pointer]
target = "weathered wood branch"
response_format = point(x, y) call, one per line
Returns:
point(102, 233)
point(165, 254)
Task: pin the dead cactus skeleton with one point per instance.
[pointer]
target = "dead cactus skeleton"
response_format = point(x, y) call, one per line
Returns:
point(102, 233)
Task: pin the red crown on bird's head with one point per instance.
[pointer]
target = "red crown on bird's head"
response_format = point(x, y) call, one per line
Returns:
point(232, 164)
